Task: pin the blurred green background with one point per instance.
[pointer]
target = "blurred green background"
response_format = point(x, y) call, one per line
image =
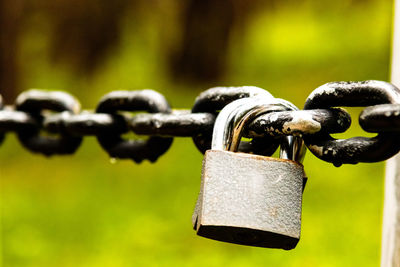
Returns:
point(85, 210)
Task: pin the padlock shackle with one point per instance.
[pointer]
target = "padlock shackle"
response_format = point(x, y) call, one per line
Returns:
point(235, 116)
point(293, 148)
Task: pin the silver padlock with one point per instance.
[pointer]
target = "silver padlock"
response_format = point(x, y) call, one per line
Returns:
point(250, 199)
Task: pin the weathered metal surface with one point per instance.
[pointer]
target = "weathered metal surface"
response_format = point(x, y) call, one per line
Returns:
point(215, 99)
point(300, 122)
point(86, 124)
point(13, 120)
point(250, 200)
point(230, 122)
point(381, 118)
point(34, 102)
point(356, 149)
point(112, 121)
point(179, 123)
point(141, 100)
point(185, 124)
point(352, 94)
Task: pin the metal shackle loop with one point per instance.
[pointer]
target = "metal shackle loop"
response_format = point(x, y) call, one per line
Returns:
point(214, 100)
point(235, 116)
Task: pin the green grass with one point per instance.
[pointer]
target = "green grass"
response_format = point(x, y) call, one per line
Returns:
point(84, 210)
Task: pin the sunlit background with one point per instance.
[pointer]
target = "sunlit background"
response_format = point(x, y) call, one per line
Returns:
point(85, 210)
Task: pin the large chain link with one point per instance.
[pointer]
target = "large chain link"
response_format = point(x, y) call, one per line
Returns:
point(58, 113)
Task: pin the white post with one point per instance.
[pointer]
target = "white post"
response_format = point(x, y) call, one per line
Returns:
point(390, 255)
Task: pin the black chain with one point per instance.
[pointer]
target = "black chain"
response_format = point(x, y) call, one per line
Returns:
point(58, 114)
point(356, 149)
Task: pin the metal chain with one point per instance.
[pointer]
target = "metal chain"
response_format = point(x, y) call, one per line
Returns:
point(58, 114)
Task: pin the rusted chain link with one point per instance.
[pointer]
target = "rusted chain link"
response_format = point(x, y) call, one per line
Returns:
point(355, 149)
point(33, 102)
point(138, 150)
point(58, 114)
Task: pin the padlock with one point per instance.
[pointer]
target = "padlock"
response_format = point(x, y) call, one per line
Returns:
point(241, 111)
point(249, 199)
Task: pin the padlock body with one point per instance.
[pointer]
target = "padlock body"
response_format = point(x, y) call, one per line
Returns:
point(250, 200)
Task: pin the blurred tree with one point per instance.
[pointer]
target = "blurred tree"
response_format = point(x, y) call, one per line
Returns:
point(201, 55)
point(85, 31)
point(10, 22)
point(207, 25)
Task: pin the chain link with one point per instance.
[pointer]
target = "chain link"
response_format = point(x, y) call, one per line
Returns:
point(355, 149)
point(33, 102)
point(58, 114)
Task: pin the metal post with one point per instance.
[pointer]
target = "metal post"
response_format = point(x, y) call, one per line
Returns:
point(390, 255)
